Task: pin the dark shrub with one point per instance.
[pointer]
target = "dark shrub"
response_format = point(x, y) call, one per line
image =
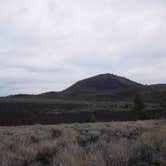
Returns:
point(139, 106)
point(92, 118)
point(138, 103)
point(163, 104)
point(46, 154)
point(55, 133)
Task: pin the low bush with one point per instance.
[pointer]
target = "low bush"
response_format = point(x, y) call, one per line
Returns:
point(92, 118)
point(100, 144)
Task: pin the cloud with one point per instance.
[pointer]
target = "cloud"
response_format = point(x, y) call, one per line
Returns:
point(48, 45)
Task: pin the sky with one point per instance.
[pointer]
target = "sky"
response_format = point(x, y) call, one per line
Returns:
point(47, 45)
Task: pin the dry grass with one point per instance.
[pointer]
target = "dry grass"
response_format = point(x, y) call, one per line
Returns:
point(141, 143)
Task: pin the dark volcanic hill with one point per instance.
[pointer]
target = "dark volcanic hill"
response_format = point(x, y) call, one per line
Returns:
point(103, 82)
point(109, 87)
point(99, 87)
point(105, 87)
point(76, 103)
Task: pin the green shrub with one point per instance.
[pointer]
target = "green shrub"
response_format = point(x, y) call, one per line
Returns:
point(92, 118)
point(139, 106)
point(163, 104)
point(138, 103)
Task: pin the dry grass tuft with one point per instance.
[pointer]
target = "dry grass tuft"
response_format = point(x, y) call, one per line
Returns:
point(100, 144)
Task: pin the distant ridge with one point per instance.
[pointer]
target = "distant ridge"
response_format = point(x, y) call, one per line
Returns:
point(104, 87)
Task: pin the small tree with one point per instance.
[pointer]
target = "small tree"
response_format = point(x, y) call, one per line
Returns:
point(163, 104)
point(138, 103)
point(139, 106)
point(92, 118)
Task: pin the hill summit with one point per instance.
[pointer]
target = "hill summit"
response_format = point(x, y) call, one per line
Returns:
point(102, 86)
point(103, 82)
point(105, 87)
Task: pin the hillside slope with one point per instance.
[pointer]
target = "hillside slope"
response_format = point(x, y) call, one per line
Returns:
point(103, 82)
point(105, 87)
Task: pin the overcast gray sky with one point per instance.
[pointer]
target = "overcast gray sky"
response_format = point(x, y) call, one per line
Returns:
point(49, 44)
